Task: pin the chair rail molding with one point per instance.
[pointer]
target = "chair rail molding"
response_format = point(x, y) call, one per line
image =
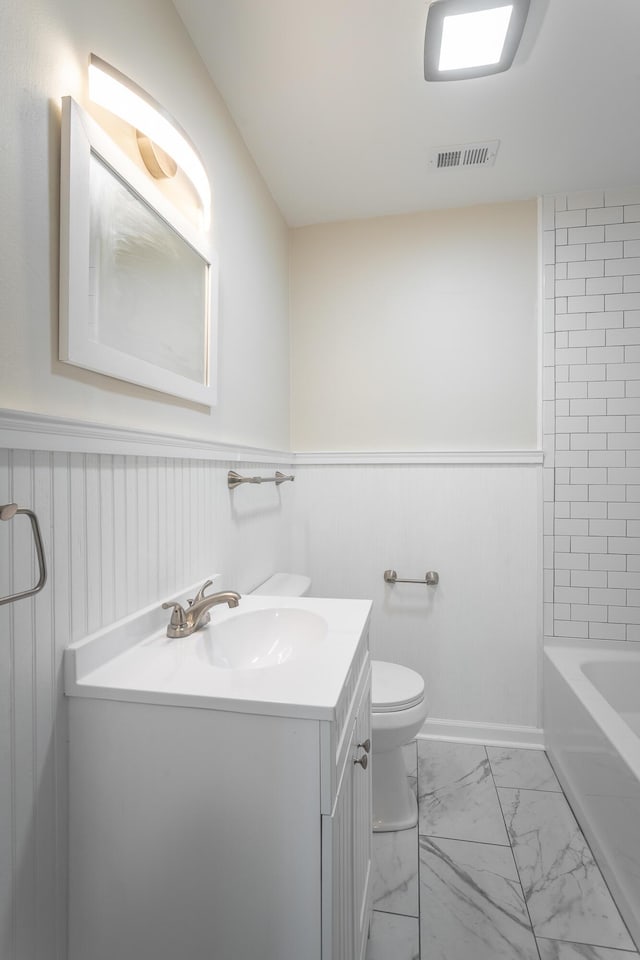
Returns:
point(21, 430)
point(318, 458)
point(34, 431)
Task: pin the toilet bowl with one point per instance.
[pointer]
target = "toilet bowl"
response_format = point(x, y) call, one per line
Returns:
point(399, 709)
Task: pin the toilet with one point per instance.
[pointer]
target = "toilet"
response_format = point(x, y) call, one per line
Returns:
point(398, 708)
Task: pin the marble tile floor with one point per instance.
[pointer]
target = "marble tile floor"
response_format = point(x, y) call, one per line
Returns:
point(496, 869)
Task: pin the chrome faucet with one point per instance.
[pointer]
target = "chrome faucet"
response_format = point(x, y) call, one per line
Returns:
point(185, 622)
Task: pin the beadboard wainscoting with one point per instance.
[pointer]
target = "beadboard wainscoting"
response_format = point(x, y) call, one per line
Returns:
point(475, 519)
point(120, 532)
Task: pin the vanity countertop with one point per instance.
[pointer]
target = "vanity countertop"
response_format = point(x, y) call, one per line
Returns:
point(133, 660)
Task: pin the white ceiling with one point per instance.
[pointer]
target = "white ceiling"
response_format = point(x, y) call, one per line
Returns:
point(330, 98)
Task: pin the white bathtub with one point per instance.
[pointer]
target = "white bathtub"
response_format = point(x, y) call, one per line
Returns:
point(592, 735)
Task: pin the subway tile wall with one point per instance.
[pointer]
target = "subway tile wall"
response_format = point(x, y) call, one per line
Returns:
point(591, 414)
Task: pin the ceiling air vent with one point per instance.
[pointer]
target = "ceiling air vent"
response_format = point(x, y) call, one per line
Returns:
point(464, 155)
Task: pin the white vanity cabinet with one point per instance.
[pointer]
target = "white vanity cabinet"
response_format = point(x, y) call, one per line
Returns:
point(219, 834)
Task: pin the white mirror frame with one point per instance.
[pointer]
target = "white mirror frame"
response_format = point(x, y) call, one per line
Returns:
point(82, 137)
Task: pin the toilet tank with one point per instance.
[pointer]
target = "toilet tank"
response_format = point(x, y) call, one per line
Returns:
point(284, 585)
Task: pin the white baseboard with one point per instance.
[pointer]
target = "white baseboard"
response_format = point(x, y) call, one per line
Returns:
point(489, 734)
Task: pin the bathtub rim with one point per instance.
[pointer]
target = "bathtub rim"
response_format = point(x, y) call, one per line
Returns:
point(568, 657)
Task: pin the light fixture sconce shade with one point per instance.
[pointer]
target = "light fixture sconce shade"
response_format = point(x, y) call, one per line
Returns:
point(464, 21)
point(117, 93)
point(159, 164)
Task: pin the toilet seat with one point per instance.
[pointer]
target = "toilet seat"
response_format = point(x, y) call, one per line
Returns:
point(394, 687)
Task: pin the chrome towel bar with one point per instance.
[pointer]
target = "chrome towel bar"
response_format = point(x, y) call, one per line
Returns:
point(234, 479)
point(7, 512)
point(431, 578)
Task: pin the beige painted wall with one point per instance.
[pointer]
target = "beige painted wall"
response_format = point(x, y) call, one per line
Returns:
point(416, 332)
point(44, 49)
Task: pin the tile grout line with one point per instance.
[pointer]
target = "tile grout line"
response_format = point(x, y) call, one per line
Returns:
point(507, 786)
point(620, 950)
point(417, 758)
point(395, 913)
point(604, 880)
point(515, 862)
point(600, 946)
point(563, 795)
point(481, 843)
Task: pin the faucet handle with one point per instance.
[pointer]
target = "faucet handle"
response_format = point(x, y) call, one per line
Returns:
point(200, 594)
point(178, 617)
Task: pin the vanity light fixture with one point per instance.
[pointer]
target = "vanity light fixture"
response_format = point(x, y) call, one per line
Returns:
point(163, 144)
point(472, 38)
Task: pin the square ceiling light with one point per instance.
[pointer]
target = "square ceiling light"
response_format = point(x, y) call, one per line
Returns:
point(472, 38)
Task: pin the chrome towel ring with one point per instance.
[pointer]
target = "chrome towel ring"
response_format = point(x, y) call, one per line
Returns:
point(7, 512)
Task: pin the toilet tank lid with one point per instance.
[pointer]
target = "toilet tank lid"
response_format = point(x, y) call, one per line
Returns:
point(394, 687)
point(284, 585)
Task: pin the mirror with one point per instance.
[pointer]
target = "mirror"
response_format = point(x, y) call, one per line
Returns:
point(138, 282)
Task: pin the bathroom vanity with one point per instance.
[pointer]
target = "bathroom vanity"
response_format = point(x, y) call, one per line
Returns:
point(222, 811)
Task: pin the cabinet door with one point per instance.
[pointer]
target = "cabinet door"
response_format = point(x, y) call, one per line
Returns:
point(361, 825)
point(337, 871)
point(346, 847)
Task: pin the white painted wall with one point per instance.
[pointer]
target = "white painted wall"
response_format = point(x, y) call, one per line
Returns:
point(420, 333)
point(416, 332)
point(44, 50)
point(474, 637)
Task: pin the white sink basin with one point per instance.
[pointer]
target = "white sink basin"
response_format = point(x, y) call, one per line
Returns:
point(262, 638)
point(272, 656)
